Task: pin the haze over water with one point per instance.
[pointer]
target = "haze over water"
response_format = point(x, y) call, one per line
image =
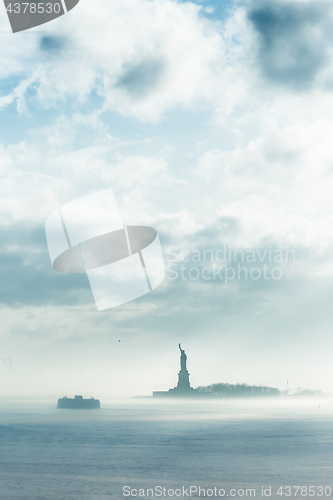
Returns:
point(66, 454)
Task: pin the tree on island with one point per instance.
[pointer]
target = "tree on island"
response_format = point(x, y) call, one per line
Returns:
point(245, 390)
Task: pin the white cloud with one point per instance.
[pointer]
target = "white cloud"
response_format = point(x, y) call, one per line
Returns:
point(278, 185)
point(150, 56)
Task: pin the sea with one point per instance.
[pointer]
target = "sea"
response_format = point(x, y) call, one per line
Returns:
point(147, 448)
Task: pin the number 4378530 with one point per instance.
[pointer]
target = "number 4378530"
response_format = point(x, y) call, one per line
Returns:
point(311, 491)
point(33, 8)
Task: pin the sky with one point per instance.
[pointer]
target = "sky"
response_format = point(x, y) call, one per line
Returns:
point(212, 123)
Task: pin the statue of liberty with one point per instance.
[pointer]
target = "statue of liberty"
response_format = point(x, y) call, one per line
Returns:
point(183, 388)
point(183, 359)
point(183, 375)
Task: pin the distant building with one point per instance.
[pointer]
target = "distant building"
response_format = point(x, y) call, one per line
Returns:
point(183, 388)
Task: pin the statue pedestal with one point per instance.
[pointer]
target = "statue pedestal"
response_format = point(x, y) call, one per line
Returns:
point(183, 380)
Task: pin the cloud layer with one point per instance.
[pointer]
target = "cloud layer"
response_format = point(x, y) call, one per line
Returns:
point(213, 127)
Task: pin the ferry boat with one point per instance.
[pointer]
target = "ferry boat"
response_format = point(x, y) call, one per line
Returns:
point(78, 403)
